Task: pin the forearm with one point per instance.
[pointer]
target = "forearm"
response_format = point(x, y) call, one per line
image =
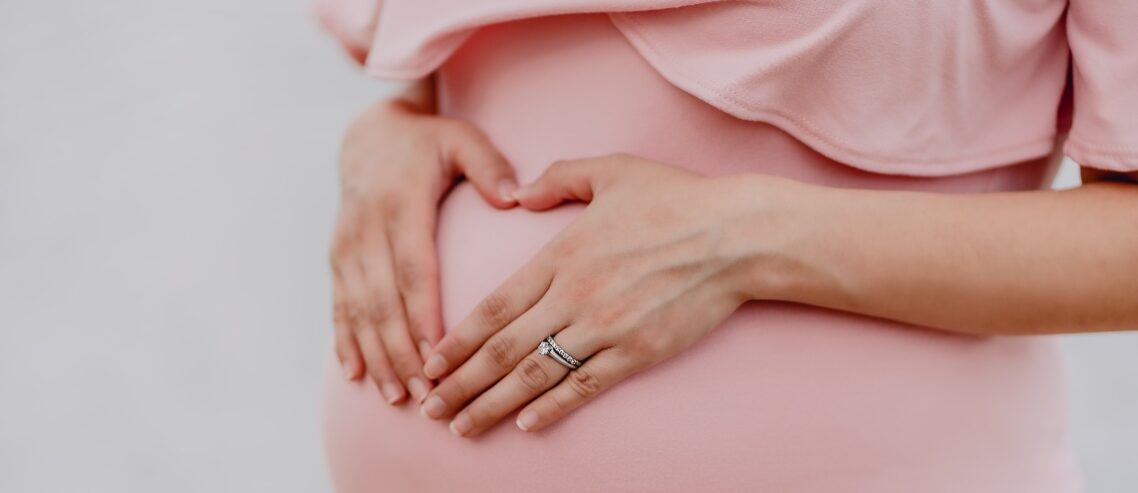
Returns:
point(1000, 263)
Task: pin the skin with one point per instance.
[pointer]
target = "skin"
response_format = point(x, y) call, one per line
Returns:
point(629, 298)
point(626, 298)
point(397, 161)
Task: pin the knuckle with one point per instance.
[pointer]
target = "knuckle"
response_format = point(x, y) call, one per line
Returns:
point(336, 254)
point(407, 276)
point(389, 203)
point(352, 314)
point(419, 326)
point(558, 405)
point(411, 275)
point(500, 350)
point(584, 383)
point(532, 374)
point(643, 348)
point(378, 314)
point(494, 310)
point(454, 391)
point(415, 328)
point(340, 313)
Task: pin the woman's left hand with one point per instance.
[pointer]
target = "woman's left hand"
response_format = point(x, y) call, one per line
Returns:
point(650, 267)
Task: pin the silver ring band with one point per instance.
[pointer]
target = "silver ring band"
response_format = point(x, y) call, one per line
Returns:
point(561, 360)
point(551, 348)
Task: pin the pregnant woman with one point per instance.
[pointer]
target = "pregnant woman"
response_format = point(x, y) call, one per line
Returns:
point(648, 245)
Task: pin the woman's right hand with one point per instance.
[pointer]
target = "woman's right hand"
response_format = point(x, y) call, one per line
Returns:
point(396, 164)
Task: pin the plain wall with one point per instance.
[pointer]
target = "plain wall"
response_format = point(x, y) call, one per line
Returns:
point(167, 189)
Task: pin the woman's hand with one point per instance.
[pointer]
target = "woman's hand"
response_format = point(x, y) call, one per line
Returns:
point(649, 268)
point(396, 163)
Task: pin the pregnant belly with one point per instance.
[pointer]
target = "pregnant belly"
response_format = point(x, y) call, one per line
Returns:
point(779, 397)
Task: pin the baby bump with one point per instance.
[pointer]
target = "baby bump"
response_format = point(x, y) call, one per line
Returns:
point(778, 397)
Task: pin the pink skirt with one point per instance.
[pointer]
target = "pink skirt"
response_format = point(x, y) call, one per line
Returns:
point(780, 397)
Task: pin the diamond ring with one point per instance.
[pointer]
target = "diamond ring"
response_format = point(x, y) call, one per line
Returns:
point(549, 347)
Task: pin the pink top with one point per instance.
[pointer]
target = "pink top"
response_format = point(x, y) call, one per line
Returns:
point(910, 88)
point(778, 398)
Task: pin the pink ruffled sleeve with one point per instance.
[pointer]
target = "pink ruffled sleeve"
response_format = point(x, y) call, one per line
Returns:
point(834, 75)
point(1103, 36)
point(351, 22)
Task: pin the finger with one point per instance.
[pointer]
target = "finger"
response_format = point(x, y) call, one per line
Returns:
point(385, 314)
point(417, 278)
point(347, 351)
point(473, 155)
point(577, 179)
point(378, 367)
point(518, 293)
point(532, 377)
point(366, 337)
point(496, 358)
point(602, 371)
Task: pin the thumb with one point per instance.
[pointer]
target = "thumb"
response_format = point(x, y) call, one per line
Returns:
point(563, 181)
point(474, 156)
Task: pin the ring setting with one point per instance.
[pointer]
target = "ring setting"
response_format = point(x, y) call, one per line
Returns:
point(549, 347)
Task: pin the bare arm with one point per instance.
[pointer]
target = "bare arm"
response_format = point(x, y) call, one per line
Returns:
point(1001, 263)
point(662, 255)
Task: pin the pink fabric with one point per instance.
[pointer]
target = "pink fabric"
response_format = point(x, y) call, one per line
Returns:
point(1103, 35)
point(780, 397)
point(912, 88)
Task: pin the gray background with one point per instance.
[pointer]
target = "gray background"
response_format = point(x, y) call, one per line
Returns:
point(167, 189)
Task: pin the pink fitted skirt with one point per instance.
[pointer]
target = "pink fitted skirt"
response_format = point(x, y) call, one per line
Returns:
point(780, 397)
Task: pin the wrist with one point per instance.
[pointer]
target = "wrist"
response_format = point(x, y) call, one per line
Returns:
point(772, 226)
point(418, 95)
point(411, 98)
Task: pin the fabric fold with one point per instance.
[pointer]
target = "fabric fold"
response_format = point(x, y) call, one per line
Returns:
point(910, 88)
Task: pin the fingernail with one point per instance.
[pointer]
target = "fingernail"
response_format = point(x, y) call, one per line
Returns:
point(521, 192)
point(350, 370)
point(392, 392)
point(424, 349)
point(435, 366)
point(461, 425)
point(527, 420)
point(434, 407)
point(418, 388)
point(506, 189)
